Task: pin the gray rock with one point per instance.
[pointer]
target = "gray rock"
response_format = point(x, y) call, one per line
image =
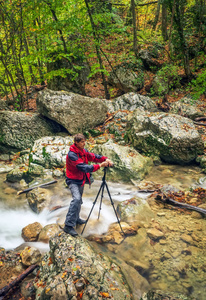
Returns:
point(130, 102)
point(147, 58)
point(186, 108)
point(128, 163)
point(17, 174)
point(19, 130)
point(69, 82)
point(127, 80)
point(5, 168)
point(160, 86)
point(51, 151)
point(75, 112)
point(172, 137)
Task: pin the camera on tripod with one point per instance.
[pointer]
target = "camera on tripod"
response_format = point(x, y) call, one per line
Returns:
point(103, 185)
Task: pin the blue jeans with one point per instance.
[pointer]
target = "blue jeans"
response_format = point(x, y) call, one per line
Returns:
point(75, 205)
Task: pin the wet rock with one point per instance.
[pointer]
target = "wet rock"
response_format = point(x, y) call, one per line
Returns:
point(74, 112)
point(135, 211)
point(35, 170)
point(30, 256)
point(5, 168)
point(137, 283)
point(10, 266)
point(155, 234)
point(30, 233)
point(9, 191)
point(161, 295)
point(161, 214)
point(47, 232)
point(173, 138)
point(141, 267)
point(38, 199)
point(187, 238)
point(58, 173)
point(148, 185)
point(128, 163)
point(27, 288)
point(17, 174)
point(72, 260)
point(114, 234)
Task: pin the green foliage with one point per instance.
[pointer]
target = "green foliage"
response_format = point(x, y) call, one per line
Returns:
point(95, 68)
point(46, 155)
point(32, 30)
point(169, 74)
point(198, 85)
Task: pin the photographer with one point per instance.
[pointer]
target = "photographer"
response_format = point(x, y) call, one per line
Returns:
point(77, 174)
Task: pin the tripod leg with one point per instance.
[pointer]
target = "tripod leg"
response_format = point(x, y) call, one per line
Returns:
point(100, 206)
point(92, 207)
point(114, 207)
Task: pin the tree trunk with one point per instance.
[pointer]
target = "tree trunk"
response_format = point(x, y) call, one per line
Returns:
point(135, 49)
point(156, 16)
point(96, 40)
point(180, 30)
point(164, 22)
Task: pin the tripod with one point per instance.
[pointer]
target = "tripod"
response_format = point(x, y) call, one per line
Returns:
point(100, 207)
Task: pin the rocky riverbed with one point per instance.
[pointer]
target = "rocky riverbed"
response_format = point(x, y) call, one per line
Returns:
point(166, 250)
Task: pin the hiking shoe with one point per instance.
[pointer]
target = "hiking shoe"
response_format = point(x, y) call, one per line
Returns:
point(81, 221)
point(70, 230)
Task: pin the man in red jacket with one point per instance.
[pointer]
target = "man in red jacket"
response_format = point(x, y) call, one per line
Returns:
point(77, 174)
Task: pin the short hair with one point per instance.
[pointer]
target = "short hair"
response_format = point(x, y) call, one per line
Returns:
point(79, 137)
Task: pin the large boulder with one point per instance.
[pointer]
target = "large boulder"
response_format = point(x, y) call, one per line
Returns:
point(130, 102)
point(75, 112)
point(126, 79)
point(70, 82)
point(73, 270)
point(172, 137)
point(51, 151)
point(187, 108)
point(129, 165)
point(19, 130)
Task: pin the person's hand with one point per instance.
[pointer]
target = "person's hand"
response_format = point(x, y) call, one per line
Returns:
point(104, 164)
point(110, 163)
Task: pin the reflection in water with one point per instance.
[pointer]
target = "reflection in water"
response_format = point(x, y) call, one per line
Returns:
point(175, 263)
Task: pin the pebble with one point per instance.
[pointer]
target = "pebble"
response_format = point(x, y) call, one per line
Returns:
point(187, 238)
point(160, 214)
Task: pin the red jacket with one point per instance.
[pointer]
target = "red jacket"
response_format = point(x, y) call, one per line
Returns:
point(77, 168)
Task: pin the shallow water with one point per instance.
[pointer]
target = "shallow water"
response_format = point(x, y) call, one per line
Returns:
point(16, 214)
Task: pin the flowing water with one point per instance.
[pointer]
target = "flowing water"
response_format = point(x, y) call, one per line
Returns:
point(165, 268)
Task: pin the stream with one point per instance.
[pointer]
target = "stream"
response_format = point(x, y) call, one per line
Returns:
point(174, 264)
